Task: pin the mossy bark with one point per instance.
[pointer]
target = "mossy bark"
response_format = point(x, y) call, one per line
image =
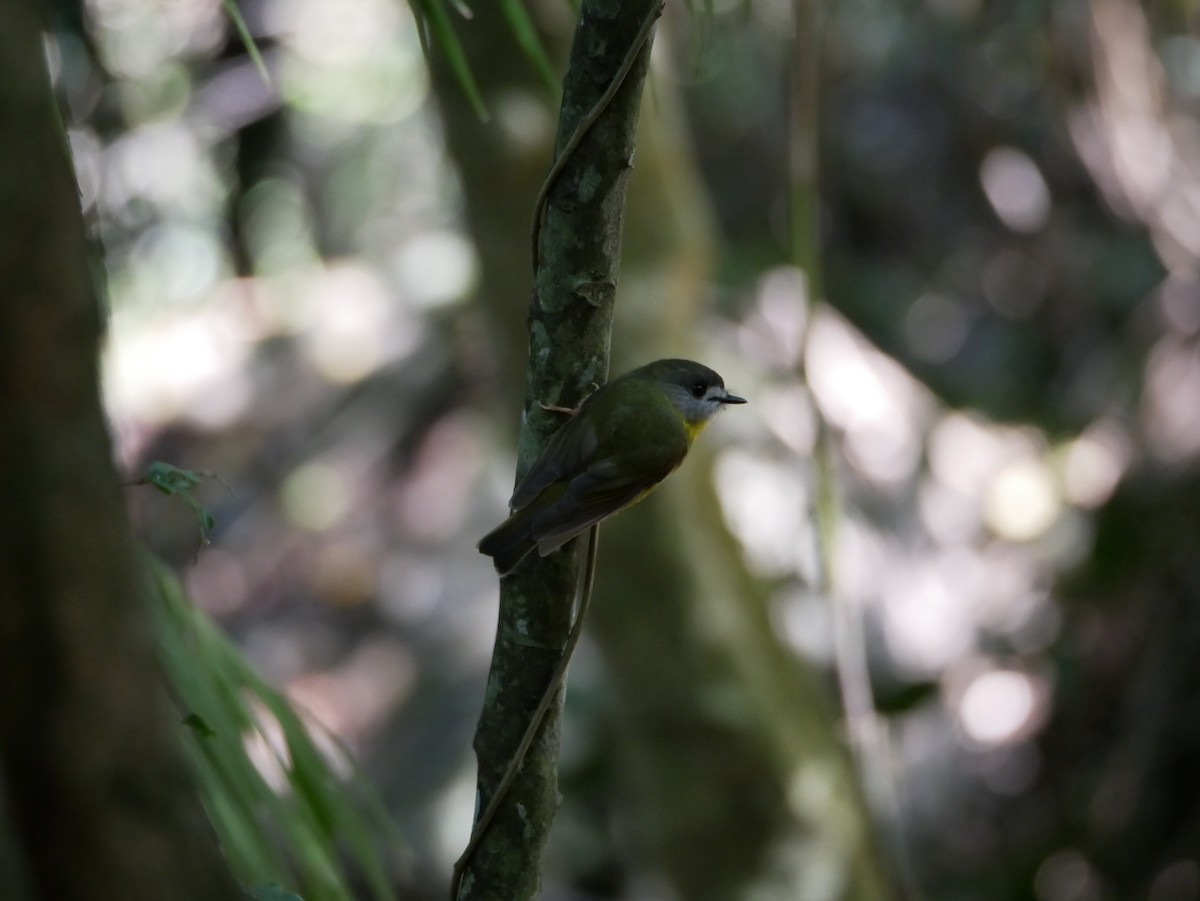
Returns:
point(570, 323)
point(95, 798)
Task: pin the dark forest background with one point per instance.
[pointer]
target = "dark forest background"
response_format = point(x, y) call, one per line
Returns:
point(316, 289)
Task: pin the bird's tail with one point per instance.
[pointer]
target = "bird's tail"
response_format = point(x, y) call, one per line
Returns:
point(509, 542)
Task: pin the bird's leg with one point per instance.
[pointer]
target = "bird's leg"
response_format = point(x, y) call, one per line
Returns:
point(569, 411)
point(555, 408)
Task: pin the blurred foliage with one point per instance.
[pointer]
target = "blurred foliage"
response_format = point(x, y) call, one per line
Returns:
point(435, 16)
point(285, 809)
point(180, 483)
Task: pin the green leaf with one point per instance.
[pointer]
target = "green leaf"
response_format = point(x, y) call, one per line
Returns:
point(181, 483)
point(434, 14)
point(530, 43)
point(269, 892)
point(170, 479)
point(198, 725)
point(239, 24)
point(282, 814)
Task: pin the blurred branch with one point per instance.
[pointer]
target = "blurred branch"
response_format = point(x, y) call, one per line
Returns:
point(570, 323)
point(865, 729)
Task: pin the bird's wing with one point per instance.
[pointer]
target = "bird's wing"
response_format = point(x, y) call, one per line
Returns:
point(567, 454)
point(593, 495)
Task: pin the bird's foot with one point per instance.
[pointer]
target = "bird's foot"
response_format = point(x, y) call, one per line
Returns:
point(569, 411)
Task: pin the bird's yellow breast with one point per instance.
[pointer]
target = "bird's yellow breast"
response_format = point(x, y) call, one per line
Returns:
point(693, 428)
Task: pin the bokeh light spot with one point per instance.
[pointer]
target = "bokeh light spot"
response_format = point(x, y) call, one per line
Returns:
point(352, 325)
point(868, 396)
point(315, 496)
point(936, 327)
point(998, 707)
point(1093, 465)
point(1015, 188)
point(1022, 502)
point(1066, 876)
point(766, 504)
point(436, 268)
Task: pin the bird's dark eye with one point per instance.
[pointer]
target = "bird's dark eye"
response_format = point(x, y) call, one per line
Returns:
point(698, 390)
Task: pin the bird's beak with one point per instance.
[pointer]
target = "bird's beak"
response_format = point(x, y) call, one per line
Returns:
point(732, 399)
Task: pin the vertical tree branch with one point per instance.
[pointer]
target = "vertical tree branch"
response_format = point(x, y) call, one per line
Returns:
point(95, 799)
point(570, 321)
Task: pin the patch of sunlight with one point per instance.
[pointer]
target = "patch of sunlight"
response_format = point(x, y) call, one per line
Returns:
point(352, 325)
point(266, 746)
point(165, 165)
point(351, 60)
point(523, 118)
point(805, 621)
point(435, 268)
point(452, 815)
point(866, 394)
point(190, 366)
point(135, 37)
point(862, 553)
point(1023, 501)
point(161, 97)
point(950, 515)
point(1015, 188)
point(315, 496)
point(767, 506)
point(788, 412)
point(1000, 707)
point(1009, 594)
point(1093, 464)
point(173, 263)
point(964, 453)
point(810, 788)
point(277, 225)
point(928, 608)
point(775, 327)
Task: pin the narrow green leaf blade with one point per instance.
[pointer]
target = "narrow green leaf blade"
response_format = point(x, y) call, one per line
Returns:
point(434, 13)
point(529, 42)
point(239, 24)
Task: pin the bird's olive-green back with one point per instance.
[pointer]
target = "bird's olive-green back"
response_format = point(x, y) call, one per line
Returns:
point(628, 430)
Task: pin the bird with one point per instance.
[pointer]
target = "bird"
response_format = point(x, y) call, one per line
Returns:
point(618, 445)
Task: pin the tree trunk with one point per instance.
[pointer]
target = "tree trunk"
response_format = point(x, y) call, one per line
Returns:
point(570, 323)
point(95, 797)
